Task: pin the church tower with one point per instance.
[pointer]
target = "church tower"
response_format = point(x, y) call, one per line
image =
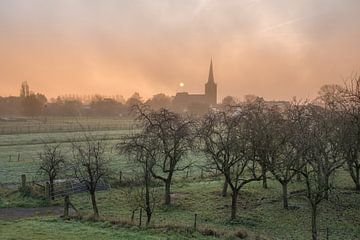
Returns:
point(211, 87)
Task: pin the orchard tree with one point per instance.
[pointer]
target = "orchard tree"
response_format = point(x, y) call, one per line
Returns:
point(350, 112)
point(52, 162)
point(261, 131)
point(318, 145)
point(143, 151)
point(225, 141)
point(90, 165)
point(286, 149)
point(172, 135)
point(326, 149)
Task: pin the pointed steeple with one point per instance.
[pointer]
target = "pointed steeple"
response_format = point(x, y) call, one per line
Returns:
point(211, 74)
point(211, 87)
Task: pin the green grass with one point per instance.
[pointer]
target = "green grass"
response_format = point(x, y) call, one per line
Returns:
point(52, 229)
point(13, 198)
point(20, 142)
point(64, 124)
point(19, 153)
point(260, 211)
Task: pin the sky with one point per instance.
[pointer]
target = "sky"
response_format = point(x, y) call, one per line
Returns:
point(271, 48)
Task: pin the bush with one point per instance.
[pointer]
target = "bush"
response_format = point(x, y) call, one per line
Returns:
point(209, 232)
point(25, 191)
point(241, 234)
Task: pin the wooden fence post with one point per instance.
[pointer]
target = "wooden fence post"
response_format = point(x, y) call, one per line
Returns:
point(66, 206)
point(120, 176)
point(132, 215)
point(195, 220)
point(23, 180)
point(327, 233)
point(47, 191)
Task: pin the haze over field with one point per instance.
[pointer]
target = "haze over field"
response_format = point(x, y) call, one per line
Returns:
point(272, 48)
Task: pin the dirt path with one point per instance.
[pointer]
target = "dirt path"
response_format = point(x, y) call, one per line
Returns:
point(16, 213)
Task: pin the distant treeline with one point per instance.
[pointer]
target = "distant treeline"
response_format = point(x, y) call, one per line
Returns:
point(32, 104)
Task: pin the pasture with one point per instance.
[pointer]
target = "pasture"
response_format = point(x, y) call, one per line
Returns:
point(19, 149)
point(260, 210)
point(260, 214)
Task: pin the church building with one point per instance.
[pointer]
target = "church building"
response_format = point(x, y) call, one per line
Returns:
point(183, 101)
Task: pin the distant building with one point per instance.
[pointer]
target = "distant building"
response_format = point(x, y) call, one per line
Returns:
point(198, 103)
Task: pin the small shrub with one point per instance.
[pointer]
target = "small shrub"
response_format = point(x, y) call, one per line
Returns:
point(209, 232)
point(25, 191)
point(241, 234)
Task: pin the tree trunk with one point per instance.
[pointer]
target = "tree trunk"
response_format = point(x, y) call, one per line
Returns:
point(52, 188)
point(313, 222)
point(264, 170)
point(285, 195)
point(357, 183)
point(94, 205)
point(298, 174)
point(167, 192)
point(234, 197)
point(148, 216)
point(357, 178)
point(147, 197)
point(327, 186)
point(225, 187)
point(66, 206)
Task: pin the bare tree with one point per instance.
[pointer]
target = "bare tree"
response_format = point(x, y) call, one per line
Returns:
point(283, 155)
point(172, 135)
point(326, 135)
point(319, 150)
point(350, 112)
point(225, 142)
point(90, 165)
point(316, 190)
point(351, 148)
point(143, 151)
point(258, 113)
point(51, 163)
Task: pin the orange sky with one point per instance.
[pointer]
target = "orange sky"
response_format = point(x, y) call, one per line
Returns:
point(272, 48)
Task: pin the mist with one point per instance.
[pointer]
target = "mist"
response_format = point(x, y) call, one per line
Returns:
point(275, 48)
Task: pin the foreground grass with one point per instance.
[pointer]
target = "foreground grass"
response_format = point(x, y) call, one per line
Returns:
point(51, 228)
point(260, 214)
point(260, 211)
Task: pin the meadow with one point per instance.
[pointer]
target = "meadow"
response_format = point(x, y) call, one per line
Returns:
point(19, 149)
point(260, 214)
point(260, 210)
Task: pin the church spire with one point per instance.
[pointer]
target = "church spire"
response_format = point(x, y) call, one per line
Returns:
point(211, 87)
point(211, 74)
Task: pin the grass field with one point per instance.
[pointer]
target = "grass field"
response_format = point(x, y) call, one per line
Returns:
point(260, 210)
point(20, 146)
point(63, 124)
point(19, 152)
point(51, 228)
point(260, 214)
